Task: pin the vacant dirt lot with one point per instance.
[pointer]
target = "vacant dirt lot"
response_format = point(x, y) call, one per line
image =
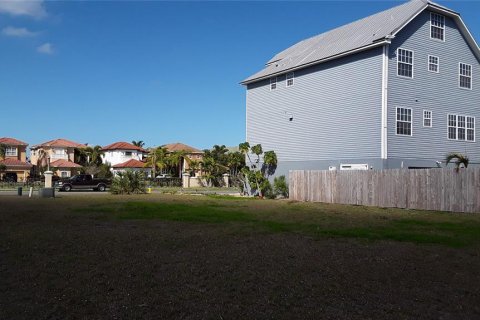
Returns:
point(205, 258)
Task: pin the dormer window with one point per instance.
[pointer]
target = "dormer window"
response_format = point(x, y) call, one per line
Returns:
point(437, 26)
point(290, 77)
point(273, 83)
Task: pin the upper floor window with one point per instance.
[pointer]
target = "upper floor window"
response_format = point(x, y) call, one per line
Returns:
point(461, 128)
point(128, 153)
point(404, 121)
point(273, 83)
point(405, 63)
point(11, 152)
point(437, 26)
point(59, 151)
point(433, 64)
point(290, 77)
point(465, 76)
point(427, 118)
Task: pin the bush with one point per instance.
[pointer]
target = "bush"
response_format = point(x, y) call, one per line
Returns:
point(267, 190)
point(129, 182)
point(280, 187)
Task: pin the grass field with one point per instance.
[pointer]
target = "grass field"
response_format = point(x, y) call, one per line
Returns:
point(218, 257)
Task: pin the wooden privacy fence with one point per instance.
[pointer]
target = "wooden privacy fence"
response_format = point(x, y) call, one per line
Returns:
point(425, 189)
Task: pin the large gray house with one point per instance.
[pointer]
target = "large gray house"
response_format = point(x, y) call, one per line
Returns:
point(398, 89)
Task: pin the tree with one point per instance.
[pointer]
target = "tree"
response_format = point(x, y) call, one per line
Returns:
point(3, 168)
point(459, 158)
point(256, 177)
point(129, 182)
point(92, 155)
point(175, 160)
point(3, 150)
point(138, 143)
point(157, 158)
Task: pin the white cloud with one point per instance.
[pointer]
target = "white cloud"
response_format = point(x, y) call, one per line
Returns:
point(45, 48)
point(18, 32)
point(32, 8)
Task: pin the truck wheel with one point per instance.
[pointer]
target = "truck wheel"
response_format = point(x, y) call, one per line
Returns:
point(67, 188)
point(101, 188)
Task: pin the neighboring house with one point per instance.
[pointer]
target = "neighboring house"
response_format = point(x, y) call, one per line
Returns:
point(133, 165)
point(191, 153)
point(61, 155)
point(121, 152)
point(15, 160)
point(398, 89)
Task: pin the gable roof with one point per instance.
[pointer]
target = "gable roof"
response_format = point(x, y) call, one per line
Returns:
point(123, 146)
point(132, 163)
point(373, 31)
point(59, 143)
point(12, 142)
point(62, 163)
point(172, 147)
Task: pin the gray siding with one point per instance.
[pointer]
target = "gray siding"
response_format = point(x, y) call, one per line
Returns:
point(336, 110)
point(438, 92)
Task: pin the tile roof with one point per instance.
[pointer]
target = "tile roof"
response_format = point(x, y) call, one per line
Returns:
point(62, 163)
point(368, 32)
point(60, 143)
point(123, 146)
point(172, 147)
point(132, 163)
point(9, 162)
point(12, 142)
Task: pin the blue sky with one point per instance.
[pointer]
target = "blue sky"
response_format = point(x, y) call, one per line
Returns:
point(98, 72)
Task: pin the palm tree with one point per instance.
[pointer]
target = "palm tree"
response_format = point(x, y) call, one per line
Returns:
point(270, 162)
point(460, 160)
point(235, 161)
point(138, 143)
point(3, 168)
point(94, 155)
point(176, 159)
point(157, 157)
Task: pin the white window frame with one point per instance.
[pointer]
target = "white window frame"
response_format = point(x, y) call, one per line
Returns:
point(442, 27)
point(273, 83)
point(438, 64)
point(460, 75)
point(428, 118)
point(411, 122)
point(292, 78)
point(457, 127)
point(412, 64)
point(11, 151)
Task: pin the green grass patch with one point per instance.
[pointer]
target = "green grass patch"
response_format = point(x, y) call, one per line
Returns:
point(320, 222)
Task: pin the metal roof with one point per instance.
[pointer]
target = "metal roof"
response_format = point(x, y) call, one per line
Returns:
point(366, 33)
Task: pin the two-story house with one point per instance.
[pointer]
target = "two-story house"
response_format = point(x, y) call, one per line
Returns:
point(397, 89)
point(59, 153)
point(121, 152)
point(15, 160)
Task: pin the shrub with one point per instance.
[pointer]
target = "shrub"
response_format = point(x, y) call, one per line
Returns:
point(129, 182)
point(280, 187)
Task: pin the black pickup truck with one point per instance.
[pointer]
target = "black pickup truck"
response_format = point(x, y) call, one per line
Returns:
point(83, 182)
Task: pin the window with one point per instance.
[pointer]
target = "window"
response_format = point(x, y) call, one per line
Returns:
point(59, 151)
point(290, 77)
point(273, 83)
point(427, 118)
point(65, 174)
point(404, 121)
point(433, 64)
point(461, 128)
point(404, 63)
point(10, 151)
point(437, 26)
point(128, 153)
point(465, 76)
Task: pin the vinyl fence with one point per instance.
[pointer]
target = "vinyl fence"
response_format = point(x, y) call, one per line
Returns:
point(426, 189)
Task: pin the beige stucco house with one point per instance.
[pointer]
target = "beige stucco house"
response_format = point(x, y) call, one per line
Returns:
point(61, 155)
point(15, 160)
